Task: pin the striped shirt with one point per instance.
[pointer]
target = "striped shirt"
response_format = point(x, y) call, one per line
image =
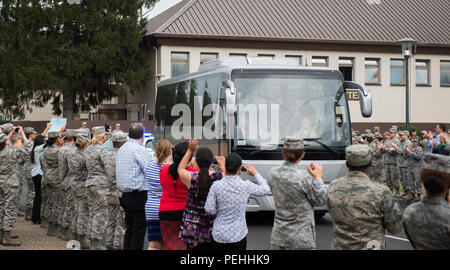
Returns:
point(132, 160)
point(154, 190)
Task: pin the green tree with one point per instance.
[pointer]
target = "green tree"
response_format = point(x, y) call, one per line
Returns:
point(73, 55)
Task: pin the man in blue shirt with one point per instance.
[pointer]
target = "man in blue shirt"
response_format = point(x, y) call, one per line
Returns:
point(132, 158)
point(435, 142)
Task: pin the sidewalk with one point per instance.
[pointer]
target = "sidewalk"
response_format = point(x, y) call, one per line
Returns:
point(33, 237)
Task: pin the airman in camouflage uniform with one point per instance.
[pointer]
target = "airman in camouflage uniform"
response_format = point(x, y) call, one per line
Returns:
point(115, 230)
point(78, 174)
point(402, 161)
point(414, 167)
point(49, 164)
point(390, 162)
point(361, 209)
point(295, 193)
point(9, 191)
point(31, 134)
point(97, 187)
point(424, 141)
point(66, 209)
point(377, 160)
point(427, 223)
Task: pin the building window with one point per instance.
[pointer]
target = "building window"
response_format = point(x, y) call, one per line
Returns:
point(346, 68)
point(422, 72)
point(445, 73)
point(295, 58)
point(372, 70)
point(238, 55)
point(398, 71)
point(180, 63)
point(206, 57)
point(320, 61)
point(266, 55)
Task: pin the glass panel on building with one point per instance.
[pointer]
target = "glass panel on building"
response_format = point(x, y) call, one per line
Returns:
point(296, 58)
point(320, 61)
point(422, 72)
point(397, 71)
point(238, 55)
point(346, 68)
point(445, 73)
point(266, 55)
point(372, 70)
point(180, 63)
point(206, 57)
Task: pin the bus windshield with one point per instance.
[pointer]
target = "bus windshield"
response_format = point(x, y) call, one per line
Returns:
point(311, 105)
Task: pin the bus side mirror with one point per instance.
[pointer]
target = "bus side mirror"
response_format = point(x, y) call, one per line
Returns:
point(365, 98)
point(228, 97)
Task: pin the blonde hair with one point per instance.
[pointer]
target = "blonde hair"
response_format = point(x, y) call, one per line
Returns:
point(97, 138)
point(162, 150)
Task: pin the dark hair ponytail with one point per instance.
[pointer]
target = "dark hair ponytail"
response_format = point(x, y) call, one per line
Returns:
point(177, 155)
point(204, 159)
point(39, 140)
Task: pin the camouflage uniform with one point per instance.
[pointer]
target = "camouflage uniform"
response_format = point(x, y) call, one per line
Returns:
point(65, 154)
point(295, 193)
point(97, 187)
point(377, 163)
point(390, 164)
point(115, 230)
point(49, 164)
point(23, 167)
point(414, 168)
point(28, 145)
point(78, 175)
point(402, 162)
point(361, 209)
point(9, 187)
point(427, 223)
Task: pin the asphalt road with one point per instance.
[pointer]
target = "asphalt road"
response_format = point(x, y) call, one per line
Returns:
point(260, 228)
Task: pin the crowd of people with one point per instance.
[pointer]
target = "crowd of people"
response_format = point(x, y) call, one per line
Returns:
point(397, 156)
point(188, 199)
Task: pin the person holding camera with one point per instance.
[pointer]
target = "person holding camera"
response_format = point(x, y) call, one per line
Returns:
point(295, 192)
point(227, 199)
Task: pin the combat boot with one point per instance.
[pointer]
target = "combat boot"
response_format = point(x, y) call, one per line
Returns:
point(28, 214)
point(44, 223)
point(109, 247)
point(51, 229)
point(65, 234)
point(96, 245)
point(84, 243)
point(13, 235)
point(7, 240)
point(74, 236)
point(20, 213)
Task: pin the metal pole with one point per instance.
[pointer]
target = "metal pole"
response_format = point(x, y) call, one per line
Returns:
point(407, 92)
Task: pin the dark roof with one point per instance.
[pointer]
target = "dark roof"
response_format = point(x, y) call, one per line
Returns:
point(336, 21)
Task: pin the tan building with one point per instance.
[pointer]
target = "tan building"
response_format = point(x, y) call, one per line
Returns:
point(360, 38)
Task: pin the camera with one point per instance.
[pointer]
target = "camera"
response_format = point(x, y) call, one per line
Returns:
point(16, 130)
point(243, 169)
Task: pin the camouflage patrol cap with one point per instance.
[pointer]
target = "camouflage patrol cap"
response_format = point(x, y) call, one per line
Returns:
point(386, 133)
point(3, 137)
point(358, 155)
point(118, 125)
point(378, 135)
point(81, 131)
point(82, 137)
point(98, 130)
point(415, 139)
point(436, 162)
point(119, 137)
point(395, 127)
point(377, 128)
point(405, 132)
point(84, 123)
point(368, 130)
point(29, 130)
point(6, 128)
point(424, 132)
point(71, 132)
point(392, 130)
point(53, 134)
point(292, 142)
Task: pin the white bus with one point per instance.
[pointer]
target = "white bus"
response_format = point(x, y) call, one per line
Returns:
point(309, 102)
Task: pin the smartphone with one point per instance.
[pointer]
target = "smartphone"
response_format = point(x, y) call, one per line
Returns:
point(243, 169)
point(16, 130)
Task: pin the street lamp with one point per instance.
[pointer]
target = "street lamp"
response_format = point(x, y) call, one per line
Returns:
point(408, 46)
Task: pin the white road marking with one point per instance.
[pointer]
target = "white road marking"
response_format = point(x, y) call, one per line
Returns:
point(397, 238)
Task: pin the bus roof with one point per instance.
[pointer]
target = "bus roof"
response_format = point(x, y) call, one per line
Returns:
point(226, 65)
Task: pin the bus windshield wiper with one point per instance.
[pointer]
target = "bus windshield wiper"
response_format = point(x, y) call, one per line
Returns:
point(319, 141)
